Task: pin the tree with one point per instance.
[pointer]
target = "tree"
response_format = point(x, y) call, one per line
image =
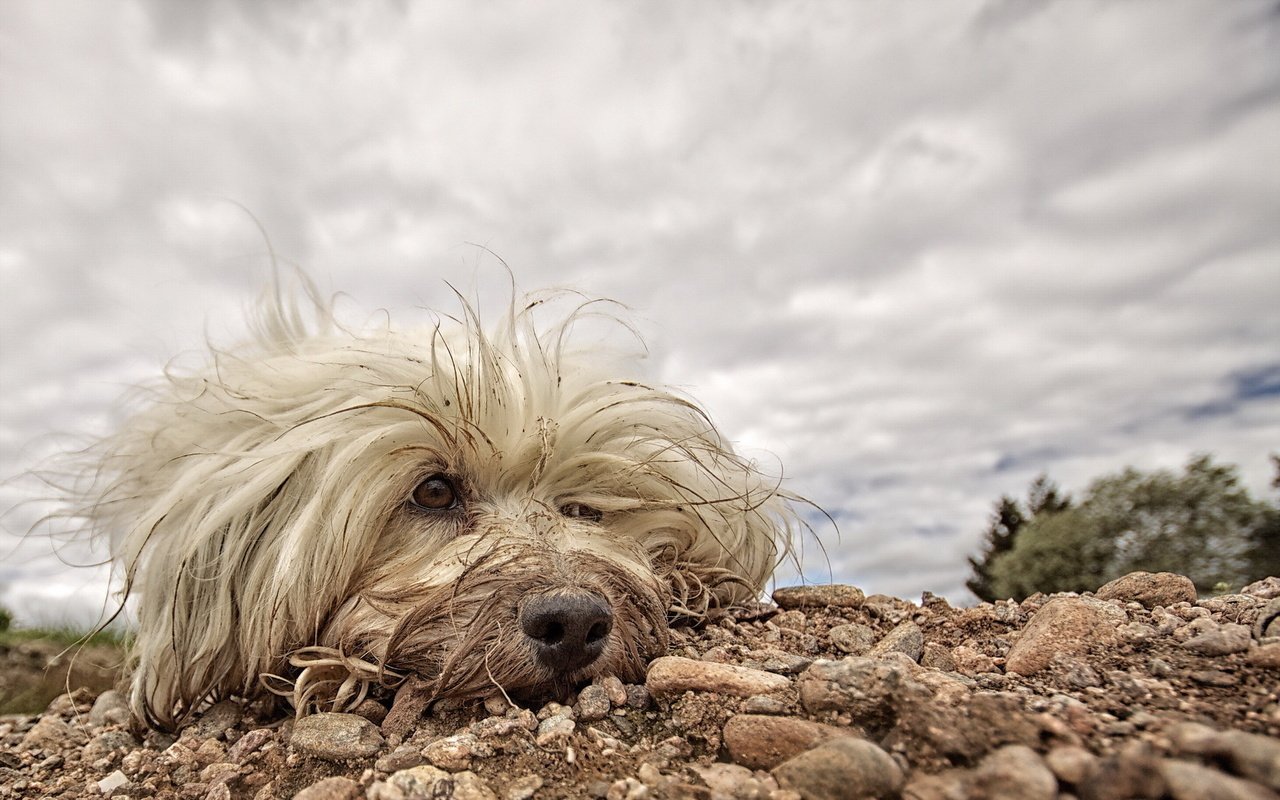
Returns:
point(1007, 519)
point(1201, 523)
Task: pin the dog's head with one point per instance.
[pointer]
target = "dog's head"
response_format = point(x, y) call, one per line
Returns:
point(487, 511)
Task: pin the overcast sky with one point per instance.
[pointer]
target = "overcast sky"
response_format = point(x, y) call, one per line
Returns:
point(918, 251)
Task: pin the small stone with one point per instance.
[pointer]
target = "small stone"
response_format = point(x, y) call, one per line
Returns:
point(403, 757)
point(1064, 625)
point(793, 620)
point(108, 743)
point(906, 638)
point(1268, 621)
point(112, 782)
point(109, 709)
point(1013, 772)
point(1071, 764)
point(371, 710)
point(496, 705)
point(336, 737)
point(338, 788)
point(638, 696)
point(840, 769)
point(1186, 781)
point(1225, 640)
point(672, 675)
point(853, 638)
point(868, 689)
point(935, 656)
point(972, 662)
point(1131, 772)
point(1150, 589)
point(452, 752)
point(470, 786)
point(50, 733)
point(421, 783)
point(764, 704)
point(248, 744)
point(763, 742)
point(554, 731)
point(593, 704)
point(1250, 755)
point(1268, 588)
point(1266, 656)
point(819, 596)
point(1213, 677)
point(614, 690)
point(216, 720)
point(728, 780)
point(523, 788)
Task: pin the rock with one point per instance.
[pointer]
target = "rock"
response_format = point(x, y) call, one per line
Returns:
point(337, 788)
point(470, 786)
point(1013, 772)
point(112, 782)
point(907, 639)
point(866, 688)
point(819, 596)
point(729, 780)
point(614, 690)
point(1130, 773)
point(1186, 781)
point(109, 709)
point(403, 757)
point(1249, 755)
point(554, 731)
point(1266, 656)
point(762, 742)
point(216, 719)
point(1064, 625)
point(1072, 765)
point(1149, 589)
point(454, 752)
point(50, 733)
point(672, 675)
point(107, 743)
point(972, 662)
point(371, 710)
point(935, 656)
point(593, 703)
point(1223, 641)
point(249, 743)
point(1268, 621)
point(416, 783)
point(1267, 588)
point(336, 737)
point(845, 768)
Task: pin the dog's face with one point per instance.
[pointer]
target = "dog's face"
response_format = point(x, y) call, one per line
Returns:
point(500, 512)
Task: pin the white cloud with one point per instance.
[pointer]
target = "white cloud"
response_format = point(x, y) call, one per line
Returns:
point(918, 253)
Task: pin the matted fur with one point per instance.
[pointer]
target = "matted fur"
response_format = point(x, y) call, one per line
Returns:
point(259, 511)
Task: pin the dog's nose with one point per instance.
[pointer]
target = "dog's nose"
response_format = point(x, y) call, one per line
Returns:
point(568, 631)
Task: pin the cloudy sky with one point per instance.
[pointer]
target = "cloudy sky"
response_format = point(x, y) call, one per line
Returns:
point(918, 251)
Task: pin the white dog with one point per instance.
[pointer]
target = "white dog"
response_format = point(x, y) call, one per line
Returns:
point(321, 512)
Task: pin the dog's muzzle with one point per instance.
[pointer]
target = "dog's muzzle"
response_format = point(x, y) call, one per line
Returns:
point(567, 631)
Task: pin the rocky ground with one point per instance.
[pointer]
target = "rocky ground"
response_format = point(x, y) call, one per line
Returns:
point(1140, 690)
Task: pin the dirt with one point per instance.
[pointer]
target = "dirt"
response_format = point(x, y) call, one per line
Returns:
point(1117, 713)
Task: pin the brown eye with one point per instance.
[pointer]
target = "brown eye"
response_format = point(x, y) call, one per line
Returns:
point(581, 511)
point(436, 494)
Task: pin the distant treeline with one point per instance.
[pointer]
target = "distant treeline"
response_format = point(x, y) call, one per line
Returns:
point(1201, 523)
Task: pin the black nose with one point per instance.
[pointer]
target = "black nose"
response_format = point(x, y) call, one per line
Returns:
point(568, 631)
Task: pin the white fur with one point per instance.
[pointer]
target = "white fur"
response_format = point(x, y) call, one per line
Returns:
point(258, 509)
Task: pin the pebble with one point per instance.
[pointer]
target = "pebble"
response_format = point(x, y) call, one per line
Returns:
point(249, 743)
point(1149, 589)
point(403, 757)
point(1267, 588)
point(523, 788)
point(593, 704)
point(1064, 625)
point(971, 662)
point(1223, 641)
point(112, 782)
point(416, 783)
point(336, 737)
point(935, 656)
point(470, 786)
point(845, 768)
point(834, 594)
point(337, 788)
point(107, 743)
point(614, 690)
point(216, 720)
point(853, 638)
point(1013, 772)
point(1071, 764)
point(453, 752)
point(554, 731)
point(672, 675)
point(762, 742)
point(109, 709)
point(1249, 755)
point(1186, 781)
point(1268, 621)
point(49, 733)
point(865, 687)
point(907, 639)
point(1266, 656)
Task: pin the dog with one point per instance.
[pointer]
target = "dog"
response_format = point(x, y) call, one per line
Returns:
point(322, 513)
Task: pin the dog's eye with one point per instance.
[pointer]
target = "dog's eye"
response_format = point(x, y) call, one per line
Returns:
point(436, 494)
point(581, 511)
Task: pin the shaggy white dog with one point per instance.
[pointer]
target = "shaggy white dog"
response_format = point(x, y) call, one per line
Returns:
point(321, 512)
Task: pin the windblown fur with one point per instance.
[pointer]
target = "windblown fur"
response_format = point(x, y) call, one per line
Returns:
point(261, 511)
